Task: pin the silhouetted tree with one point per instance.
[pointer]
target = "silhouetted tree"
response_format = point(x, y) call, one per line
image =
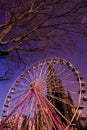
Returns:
point(40, 26)
point(37, 25)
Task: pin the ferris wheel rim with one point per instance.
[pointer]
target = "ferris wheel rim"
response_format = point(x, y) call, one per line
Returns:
point(53, 61)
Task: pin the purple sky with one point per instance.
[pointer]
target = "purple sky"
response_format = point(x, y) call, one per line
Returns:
point(78, 58)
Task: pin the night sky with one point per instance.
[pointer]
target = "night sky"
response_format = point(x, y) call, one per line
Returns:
point(76, 55)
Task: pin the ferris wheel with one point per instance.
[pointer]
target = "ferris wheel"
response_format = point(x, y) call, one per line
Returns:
point(46, 96)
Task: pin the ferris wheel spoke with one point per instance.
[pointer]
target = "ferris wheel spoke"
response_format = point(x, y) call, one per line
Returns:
point(25, 78)
point(17, 96)
point(66, 76)
point(57, 110)
point(68, 84)
point(23, 107)
point(62, 72)
point(27, 121)
point(29, 81)
point(61, 100)
point(15, 108)
point(41, 72)
point(13, 104)
point(47, 70)
point(48, 83)
point(51, 113)
point(26, 85)
point(58, 67)
point(44, 114)
point(30, 106)
point(20, 90)
point(30, 114)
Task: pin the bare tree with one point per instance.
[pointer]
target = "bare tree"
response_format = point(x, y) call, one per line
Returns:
point(41, 26)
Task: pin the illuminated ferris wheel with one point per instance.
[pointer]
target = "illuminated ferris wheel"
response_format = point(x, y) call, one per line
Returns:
point(46, 96)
